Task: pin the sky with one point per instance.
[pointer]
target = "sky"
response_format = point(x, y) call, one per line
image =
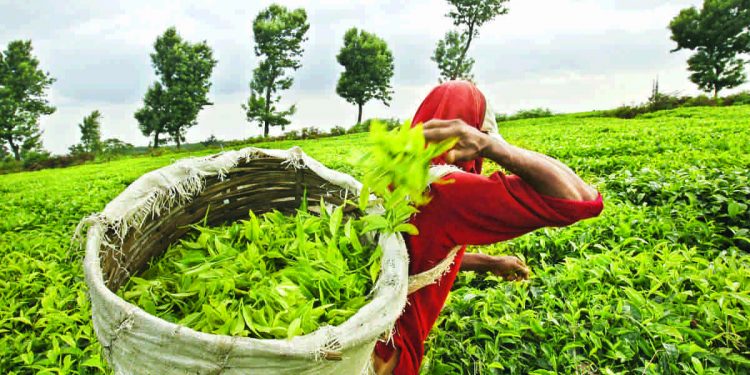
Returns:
point(566, 55)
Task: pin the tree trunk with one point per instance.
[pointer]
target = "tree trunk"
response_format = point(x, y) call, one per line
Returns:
point(463, 53)
point(16, 149)
point(359, 115)
point(266, 125)
point(156, 139)
point(178, 141)
point(717, 73)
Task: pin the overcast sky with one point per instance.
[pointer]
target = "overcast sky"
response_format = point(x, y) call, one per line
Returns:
point(567, 55)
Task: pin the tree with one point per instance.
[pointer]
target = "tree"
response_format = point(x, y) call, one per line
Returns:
point(448, 57)
point(468, 16)
point(278, 34)
point(172, 104)
point(368, 69)
point(91, 136)
point(719, 33)
point(115, 146)
point(23, 99)
point(153, 117)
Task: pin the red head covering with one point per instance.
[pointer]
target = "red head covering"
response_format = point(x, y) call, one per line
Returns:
point(454, 100)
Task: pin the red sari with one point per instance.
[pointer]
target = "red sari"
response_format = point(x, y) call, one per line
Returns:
point(473, 210)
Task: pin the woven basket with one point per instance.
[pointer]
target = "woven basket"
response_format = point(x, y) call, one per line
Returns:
point(153, 213)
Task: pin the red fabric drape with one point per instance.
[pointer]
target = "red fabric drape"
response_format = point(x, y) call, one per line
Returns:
point(473, 210)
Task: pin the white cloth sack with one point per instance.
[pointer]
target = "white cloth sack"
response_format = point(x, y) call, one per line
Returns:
point(135, 342)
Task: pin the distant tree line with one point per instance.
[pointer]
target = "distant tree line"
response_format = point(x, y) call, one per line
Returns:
point(718, 33)
point(659, 101)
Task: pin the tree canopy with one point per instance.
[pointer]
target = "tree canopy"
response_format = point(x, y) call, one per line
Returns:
point(451, 51)
point(23, 98)
point(171, 105)
point(279, 34)
point(91, 136)
point(368, 69)
point(153, 117)
point(719, 33)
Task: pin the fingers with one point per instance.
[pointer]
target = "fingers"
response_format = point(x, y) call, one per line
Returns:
point(516, 270)
point(437, 130)
point(438, 123)
point(440, 133)
point(450, 156)
point(521, 270)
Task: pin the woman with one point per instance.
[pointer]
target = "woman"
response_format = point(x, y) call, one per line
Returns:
point(476, 210)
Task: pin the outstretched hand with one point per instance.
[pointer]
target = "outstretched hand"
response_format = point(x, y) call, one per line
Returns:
point(471, 142)
point(509, 268)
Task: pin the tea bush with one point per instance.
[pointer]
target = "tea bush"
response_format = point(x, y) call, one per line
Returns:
point(659, 284)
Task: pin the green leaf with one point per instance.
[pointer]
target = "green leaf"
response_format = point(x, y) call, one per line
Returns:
point(374, 222)
point(735, 208)
point(335, 221)
point(407, 228)
point(294, 328)
point(697, 365)
point(374, 271)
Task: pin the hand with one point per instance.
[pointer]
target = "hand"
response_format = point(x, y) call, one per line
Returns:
point(471, 142)
point(509, 268)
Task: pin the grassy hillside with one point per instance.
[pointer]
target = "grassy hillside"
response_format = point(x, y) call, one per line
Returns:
point(660, 283)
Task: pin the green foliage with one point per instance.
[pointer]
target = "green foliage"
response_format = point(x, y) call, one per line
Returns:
point(448, 56)
point(667, 102)
point(273, 276)
point(310, 132)
point(279, 34)
point(390, 124)
point(211, 141)
point(712, 74)
point(673, 238)
point(23, 87)
point(468, 16)
point(740, 98)
point(368, 69)
point(472, 14)
point(337, 130)
point(720, 33)
point(171, 105)
point(660, 102)
point(525, 114)
point(153, 117)
point(621, 310)
point(114, 146)
point(91, 136)
point(279, 276)
point(397, 172)
point(643, 289)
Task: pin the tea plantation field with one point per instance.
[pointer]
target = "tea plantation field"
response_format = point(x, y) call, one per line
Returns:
point(658, 284)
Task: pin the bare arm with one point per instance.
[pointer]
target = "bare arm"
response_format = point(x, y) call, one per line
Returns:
point(546, 175)
point(508, 267)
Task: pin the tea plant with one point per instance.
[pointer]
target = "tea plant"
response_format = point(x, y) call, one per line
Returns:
point(656, 285)
point(273, 276)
